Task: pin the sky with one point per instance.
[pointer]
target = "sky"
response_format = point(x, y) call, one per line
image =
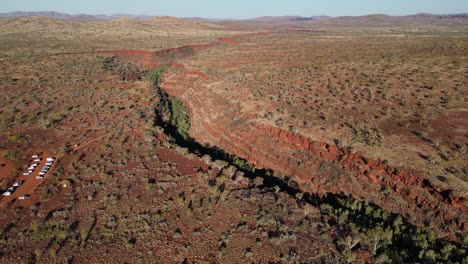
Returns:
point(239, 8)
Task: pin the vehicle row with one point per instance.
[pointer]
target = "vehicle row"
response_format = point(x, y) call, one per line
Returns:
point(13, 188)
point(33, 166)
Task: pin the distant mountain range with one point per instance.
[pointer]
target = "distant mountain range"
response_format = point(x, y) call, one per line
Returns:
point(288, 18)
point(78, 17)
point(386, 20)
point(377, 19)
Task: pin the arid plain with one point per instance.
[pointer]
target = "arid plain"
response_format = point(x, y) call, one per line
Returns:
point(274, 140)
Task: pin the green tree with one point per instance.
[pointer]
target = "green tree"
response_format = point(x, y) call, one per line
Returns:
point(154, 75)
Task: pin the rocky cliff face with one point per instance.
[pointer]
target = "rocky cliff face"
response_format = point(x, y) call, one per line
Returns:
point(154, 58)
point(317, 167)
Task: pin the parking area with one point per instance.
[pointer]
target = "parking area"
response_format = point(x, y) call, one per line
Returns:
point(33, 174)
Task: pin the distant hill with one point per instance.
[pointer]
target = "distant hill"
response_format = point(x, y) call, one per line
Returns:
point(118, 16)
point(385, 20)
point(77, 17)
point(367, 20)
point(55, 35)
point(202, 19)
point(86, 17)
point(463, 18)
point(288, 18)
point(50, 14)
point(278, 18)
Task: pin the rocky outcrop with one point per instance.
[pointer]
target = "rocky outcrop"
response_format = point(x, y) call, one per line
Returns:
point(155, 58)
point(171, 55)
point(317, 167)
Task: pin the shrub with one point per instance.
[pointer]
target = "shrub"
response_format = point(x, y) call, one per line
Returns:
point(180, 117)
point(154, 75)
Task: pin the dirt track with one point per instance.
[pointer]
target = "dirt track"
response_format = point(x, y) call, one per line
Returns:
point(78, 147)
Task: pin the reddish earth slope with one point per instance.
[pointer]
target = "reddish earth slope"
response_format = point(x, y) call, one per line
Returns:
point(318, 167)
point(168, 56)
point(154, 58)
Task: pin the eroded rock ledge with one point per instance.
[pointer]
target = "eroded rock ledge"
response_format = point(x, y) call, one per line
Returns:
point(318, 167)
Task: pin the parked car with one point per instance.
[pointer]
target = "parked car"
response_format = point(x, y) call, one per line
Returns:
point(49, 163)
point(35, 156)
point(11, 189)
point(27, 173)
point(50, 159)
point(39, 177)
point(42, 173)
point(17, 184)
point(37, 160)
point(22, 197)
point(7, 193)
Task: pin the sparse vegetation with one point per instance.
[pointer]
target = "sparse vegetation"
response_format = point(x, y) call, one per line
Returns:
point(154, 76)
point(180, 116)
point(130, 184)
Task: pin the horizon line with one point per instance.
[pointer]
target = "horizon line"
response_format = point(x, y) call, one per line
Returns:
point(226, 18)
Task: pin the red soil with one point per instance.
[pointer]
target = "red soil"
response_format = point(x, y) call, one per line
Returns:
point(228, 41)
point(30, 182)
point(5, 167)
point(319, 167)
point(78, 147)
point(195, 74)
point(183, 164)
point(155, 58)
point(169, 56)
point(143, 57)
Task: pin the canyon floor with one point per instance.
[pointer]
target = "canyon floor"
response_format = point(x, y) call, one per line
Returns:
point(282, 141)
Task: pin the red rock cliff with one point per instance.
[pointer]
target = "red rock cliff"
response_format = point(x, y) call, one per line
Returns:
point(317, 166)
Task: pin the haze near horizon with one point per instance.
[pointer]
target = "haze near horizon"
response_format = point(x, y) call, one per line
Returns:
point(241, 9)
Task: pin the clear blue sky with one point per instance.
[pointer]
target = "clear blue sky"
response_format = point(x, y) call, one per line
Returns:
point(239, 8)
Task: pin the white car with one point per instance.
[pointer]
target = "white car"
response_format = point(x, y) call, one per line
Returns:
point(50, 159)
point(31, 168)
point(34, 165)
point(26, 173)
point(35, 156)
point(7, 193)
point(37, 160)
point(49, 163)
point(17, 184)
point(42, 173)
point(39, 177)
point(22, 197)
